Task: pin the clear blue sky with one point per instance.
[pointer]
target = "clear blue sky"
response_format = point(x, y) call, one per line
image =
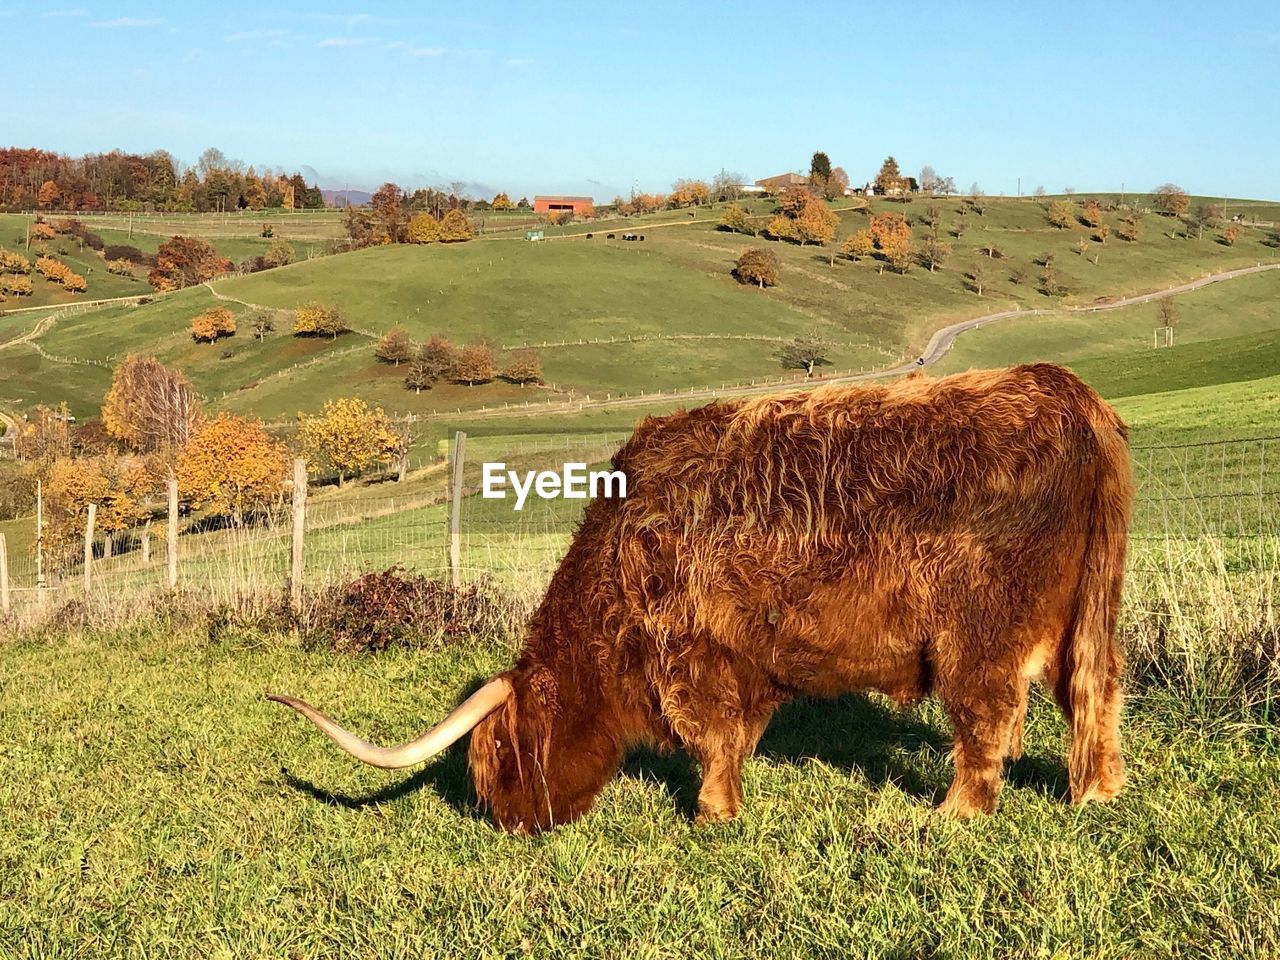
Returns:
point(598, 97)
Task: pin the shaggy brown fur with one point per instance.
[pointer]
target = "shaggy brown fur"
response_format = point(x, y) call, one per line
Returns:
point(960, 536)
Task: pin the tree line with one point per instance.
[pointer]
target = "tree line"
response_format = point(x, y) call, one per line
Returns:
point(120, 181)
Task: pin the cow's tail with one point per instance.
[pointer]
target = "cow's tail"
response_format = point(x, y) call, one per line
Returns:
point(1093, 658)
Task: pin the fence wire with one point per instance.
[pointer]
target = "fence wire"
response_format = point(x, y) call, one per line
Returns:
point(1221, 494)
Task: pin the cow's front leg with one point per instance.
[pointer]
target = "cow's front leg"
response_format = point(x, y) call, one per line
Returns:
point(983, 717)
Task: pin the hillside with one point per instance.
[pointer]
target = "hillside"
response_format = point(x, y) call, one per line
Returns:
point(673, 286)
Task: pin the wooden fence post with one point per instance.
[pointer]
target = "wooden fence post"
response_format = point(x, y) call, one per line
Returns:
point(299, 531)
point(88, 547)
point(173, 532)
point(4, 575)
point(455, 509)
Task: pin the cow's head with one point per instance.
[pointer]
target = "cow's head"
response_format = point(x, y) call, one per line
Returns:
point(537, 757)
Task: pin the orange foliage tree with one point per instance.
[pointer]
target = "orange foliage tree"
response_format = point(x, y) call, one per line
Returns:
point(213, 323)
point(232, 466)
point(455, 227)
point(423, 228)
point(892, 236)
point(185, 261)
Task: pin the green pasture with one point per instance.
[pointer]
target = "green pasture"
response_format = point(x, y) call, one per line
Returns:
point(156, 803)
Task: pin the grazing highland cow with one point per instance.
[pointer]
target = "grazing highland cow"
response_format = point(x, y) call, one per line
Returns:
point(960, 536)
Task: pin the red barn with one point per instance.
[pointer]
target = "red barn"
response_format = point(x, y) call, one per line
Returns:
point(578, 206)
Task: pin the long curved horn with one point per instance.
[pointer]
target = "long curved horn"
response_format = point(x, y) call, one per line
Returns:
point(465, 716)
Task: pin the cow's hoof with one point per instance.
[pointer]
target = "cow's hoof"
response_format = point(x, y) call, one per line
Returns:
point(963, 804)
point(714, 815)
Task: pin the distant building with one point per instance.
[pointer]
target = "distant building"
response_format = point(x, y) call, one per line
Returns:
point(781, 182)
point(578, 206)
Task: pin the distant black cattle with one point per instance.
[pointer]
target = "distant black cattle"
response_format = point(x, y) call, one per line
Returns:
point(609, 236)
point(590, 235)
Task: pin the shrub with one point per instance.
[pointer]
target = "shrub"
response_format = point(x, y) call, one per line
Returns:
point(92, 241)
point(399, 609)
point(74, 283)
point(120, 251)
point(757, 265)
point(121, 267)
point(278, 254)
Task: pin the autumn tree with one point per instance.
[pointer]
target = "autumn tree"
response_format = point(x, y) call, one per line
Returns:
point(423, 228)
point(433, 361)
point(1060, 214)
point(1128, 228)
point(117, 485)
point(689, 193)
point(502, 202)
point(792, 201)
point(805, 353)
point(757, 265)
point(522, 367)
point(319, 320)
point(735, 220)
point(1231, 235)
point(782, 227)
point(474, 364)
point(48, 194)
point(1170, 200)
point(455, 227)
point(213, 323)
point(1101, 233)
point(1091, 213)
point(231, 466)
point(394, 347)
point(816, 223)
point(348, 437)
point(889, 179)
point(184, 262)
point(892, 236)
point(387, 207)
point(858, 245)
point(1167, 313)
point(150, 407)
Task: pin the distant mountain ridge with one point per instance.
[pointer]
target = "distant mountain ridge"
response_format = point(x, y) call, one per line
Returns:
point(343, 198)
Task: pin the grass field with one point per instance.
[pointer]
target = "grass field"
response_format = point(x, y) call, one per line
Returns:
point(155, 803)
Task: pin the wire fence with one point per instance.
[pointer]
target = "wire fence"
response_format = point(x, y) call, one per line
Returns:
point(1220, 496)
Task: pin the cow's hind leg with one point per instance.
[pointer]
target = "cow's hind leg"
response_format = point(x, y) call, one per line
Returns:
point(984, 708)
